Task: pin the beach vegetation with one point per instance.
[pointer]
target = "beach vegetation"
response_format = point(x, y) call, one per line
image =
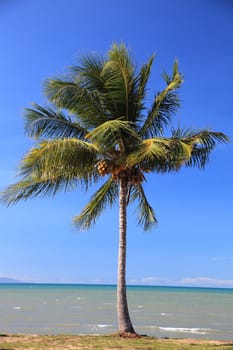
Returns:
point(75, 342)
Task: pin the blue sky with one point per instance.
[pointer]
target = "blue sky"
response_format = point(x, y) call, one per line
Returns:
point(192, 244)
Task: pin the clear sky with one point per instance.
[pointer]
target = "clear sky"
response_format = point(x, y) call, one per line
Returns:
point(193, 242)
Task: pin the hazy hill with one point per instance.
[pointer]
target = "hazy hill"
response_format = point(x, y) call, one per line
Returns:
point(9, 280)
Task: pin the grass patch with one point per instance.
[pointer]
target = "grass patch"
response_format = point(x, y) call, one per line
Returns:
point(74, 342)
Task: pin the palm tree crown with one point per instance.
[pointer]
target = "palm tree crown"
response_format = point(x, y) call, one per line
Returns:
point(100, 127)
point(109, 132)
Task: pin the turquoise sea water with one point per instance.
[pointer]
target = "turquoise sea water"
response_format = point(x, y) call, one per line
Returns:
point(91, 309)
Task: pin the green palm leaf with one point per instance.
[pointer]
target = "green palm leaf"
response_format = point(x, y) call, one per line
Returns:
point(90, 72)
point(106, 195)
point(203, 142)
point(60, 155)
point(149, 151)
point(52, 166)
point(143, 78)
point(34, 187)
point(113, 133)
point(146, 215)
point(164, 106)
point(87, 104)
point(118, 73)
point(138, 94)
point(45, 122)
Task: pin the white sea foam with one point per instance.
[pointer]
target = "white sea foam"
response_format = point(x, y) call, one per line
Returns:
point(140, 306)
point(104, 325)
point(163, 314)
point(17, 308)
point(137, 311)
point(185, 330)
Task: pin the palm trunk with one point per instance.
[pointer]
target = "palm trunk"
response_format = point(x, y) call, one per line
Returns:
point(124, 322)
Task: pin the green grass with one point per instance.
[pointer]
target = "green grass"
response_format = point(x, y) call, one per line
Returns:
point(73, 342)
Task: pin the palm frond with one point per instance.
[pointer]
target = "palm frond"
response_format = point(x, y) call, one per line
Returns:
point(54, 165)
point(168, 79)
point(111, 134)
point(160, 114)
point(118, 74)
point(106, 195)
point(192, 148)
point(68, 159)
point(149, 151)
point(146, 215)
point(64, 93)
point(34, 186)
point(203, 142)
point(86, 103)
point(89, 71)
point(45, 122)
point(143, 78)
point(137, 94)
point(120, 54)
point(164, 106)
point(161, 154)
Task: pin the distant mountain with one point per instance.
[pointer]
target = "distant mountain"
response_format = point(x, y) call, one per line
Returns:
point(9, 280)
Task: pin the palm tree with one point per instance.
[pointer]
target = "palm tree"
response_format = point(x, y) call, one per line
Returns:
point(99, 128)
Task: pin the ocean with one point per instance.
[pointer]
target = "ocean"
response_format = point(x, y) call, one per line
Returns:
point(204, 313)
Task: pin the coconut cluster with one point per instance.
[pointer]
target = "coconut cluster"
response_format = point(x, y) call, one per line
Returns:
point(132, 175)
point(104, 167)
